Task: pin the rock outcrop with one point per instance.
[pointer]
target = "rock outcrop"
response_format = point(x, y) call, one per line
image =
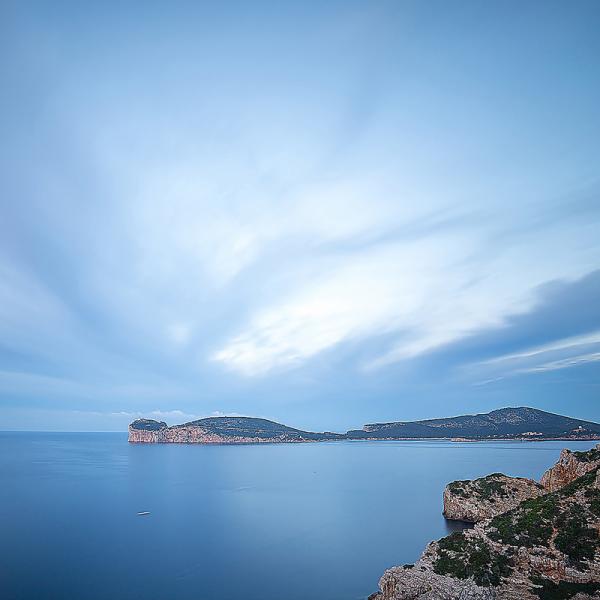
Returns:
point(479, 499)
point(569, 467)
point(547, 546)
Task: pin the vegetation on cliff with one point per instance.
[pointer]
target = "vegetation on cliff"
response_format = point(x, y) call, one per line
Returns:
point(463, 557)
point(148, 425)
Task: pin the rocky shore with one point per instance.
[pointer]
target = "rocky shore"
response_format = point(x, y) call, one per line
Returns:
point(531, 540)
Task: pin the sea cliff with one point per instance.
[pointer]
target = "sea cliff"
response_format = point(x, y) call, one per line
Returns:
point(569, 467)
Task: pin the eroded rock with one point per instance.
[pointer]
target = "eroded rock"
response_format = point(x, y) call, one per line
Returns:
point(569, 467)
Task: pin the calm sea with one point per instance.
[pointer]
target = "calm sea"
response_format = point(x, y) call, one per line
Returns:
point(283, 522)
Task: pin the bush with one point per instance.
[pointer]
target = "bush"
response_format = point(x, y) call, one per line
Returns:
point(463, 558)
point(529, 525)
point(548, 590)
point(578, 541)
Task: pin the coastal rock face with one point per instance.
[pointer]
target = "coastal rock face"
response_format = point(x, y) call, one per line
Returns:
point(569, 467)
point(146, 431)
point(547, 546)
point(479, 499)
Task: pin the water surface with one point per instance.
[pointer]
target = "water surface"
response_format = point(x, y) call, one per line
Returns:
point(258, 522)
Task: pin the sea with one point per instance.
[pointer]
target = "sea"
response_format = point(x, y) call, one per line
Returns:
point(313, 521)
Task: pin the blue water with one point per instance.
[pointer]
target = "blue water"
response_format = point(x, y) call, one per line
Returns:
point(260, 522)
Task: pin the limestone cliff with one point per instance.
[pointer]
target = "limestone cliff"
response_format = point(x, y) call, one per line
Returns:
point(569, 467)
point(547, 546)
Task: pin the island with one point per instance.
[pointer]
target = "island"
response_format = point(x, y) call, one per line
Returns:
point(521, 423)
point(531, 540)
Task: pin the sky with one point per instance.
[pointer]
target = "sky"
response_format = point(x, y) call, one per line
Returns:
point(323, 213)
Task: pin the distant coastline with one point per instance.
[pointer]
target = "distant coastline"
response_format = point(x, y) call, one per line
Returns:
point(505, 424)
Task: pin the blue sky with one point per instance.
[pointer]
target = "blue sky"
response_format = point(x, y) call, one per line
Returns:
point(322, 213)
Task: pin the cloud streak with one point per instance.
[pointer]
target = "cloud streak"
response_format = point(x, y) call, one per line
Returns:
point(292, 228)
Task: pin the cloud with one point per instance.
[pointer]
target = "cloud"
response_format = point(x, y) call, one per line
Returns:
point(179, 333)
point(568, 343)
point(560, 330)
point(282, 220)
point(565, 363)
point(432, 291)
point(173, 415)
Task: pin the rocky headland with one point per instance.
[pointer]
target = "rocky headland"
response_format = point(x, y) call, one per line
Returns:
point(531, 540)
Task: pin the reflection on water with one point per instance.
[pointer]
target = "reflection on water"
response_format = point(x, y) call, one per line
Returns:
point(452, 526)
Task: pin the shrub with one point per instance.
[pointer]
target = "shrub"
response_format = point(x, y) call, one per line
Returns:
point(548, 590)
point(463, 558)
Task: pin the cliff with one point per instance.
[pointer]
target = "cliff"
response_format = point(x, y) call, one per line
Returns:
point(569, 467)
point(547, 546)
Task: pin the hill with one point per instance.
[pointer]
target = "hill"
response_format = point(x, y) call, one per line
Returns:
point(503, 424)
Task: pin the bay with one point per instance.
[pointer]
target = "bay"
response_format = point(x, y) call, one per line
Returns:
point(258, 522)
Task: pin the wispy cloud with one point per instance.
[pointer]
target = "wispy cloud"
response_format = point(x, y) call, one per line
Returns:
point(428, 297)
point(574, 342)
point(560, 354)
point(565, 363)
point(333, 185)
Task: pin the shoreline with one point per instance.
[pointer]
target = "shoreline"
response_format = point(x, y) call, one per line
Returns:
point(424, 439)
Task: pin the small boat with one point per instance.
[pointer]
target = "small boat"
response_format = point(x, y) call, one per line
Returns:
point(144, 512)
